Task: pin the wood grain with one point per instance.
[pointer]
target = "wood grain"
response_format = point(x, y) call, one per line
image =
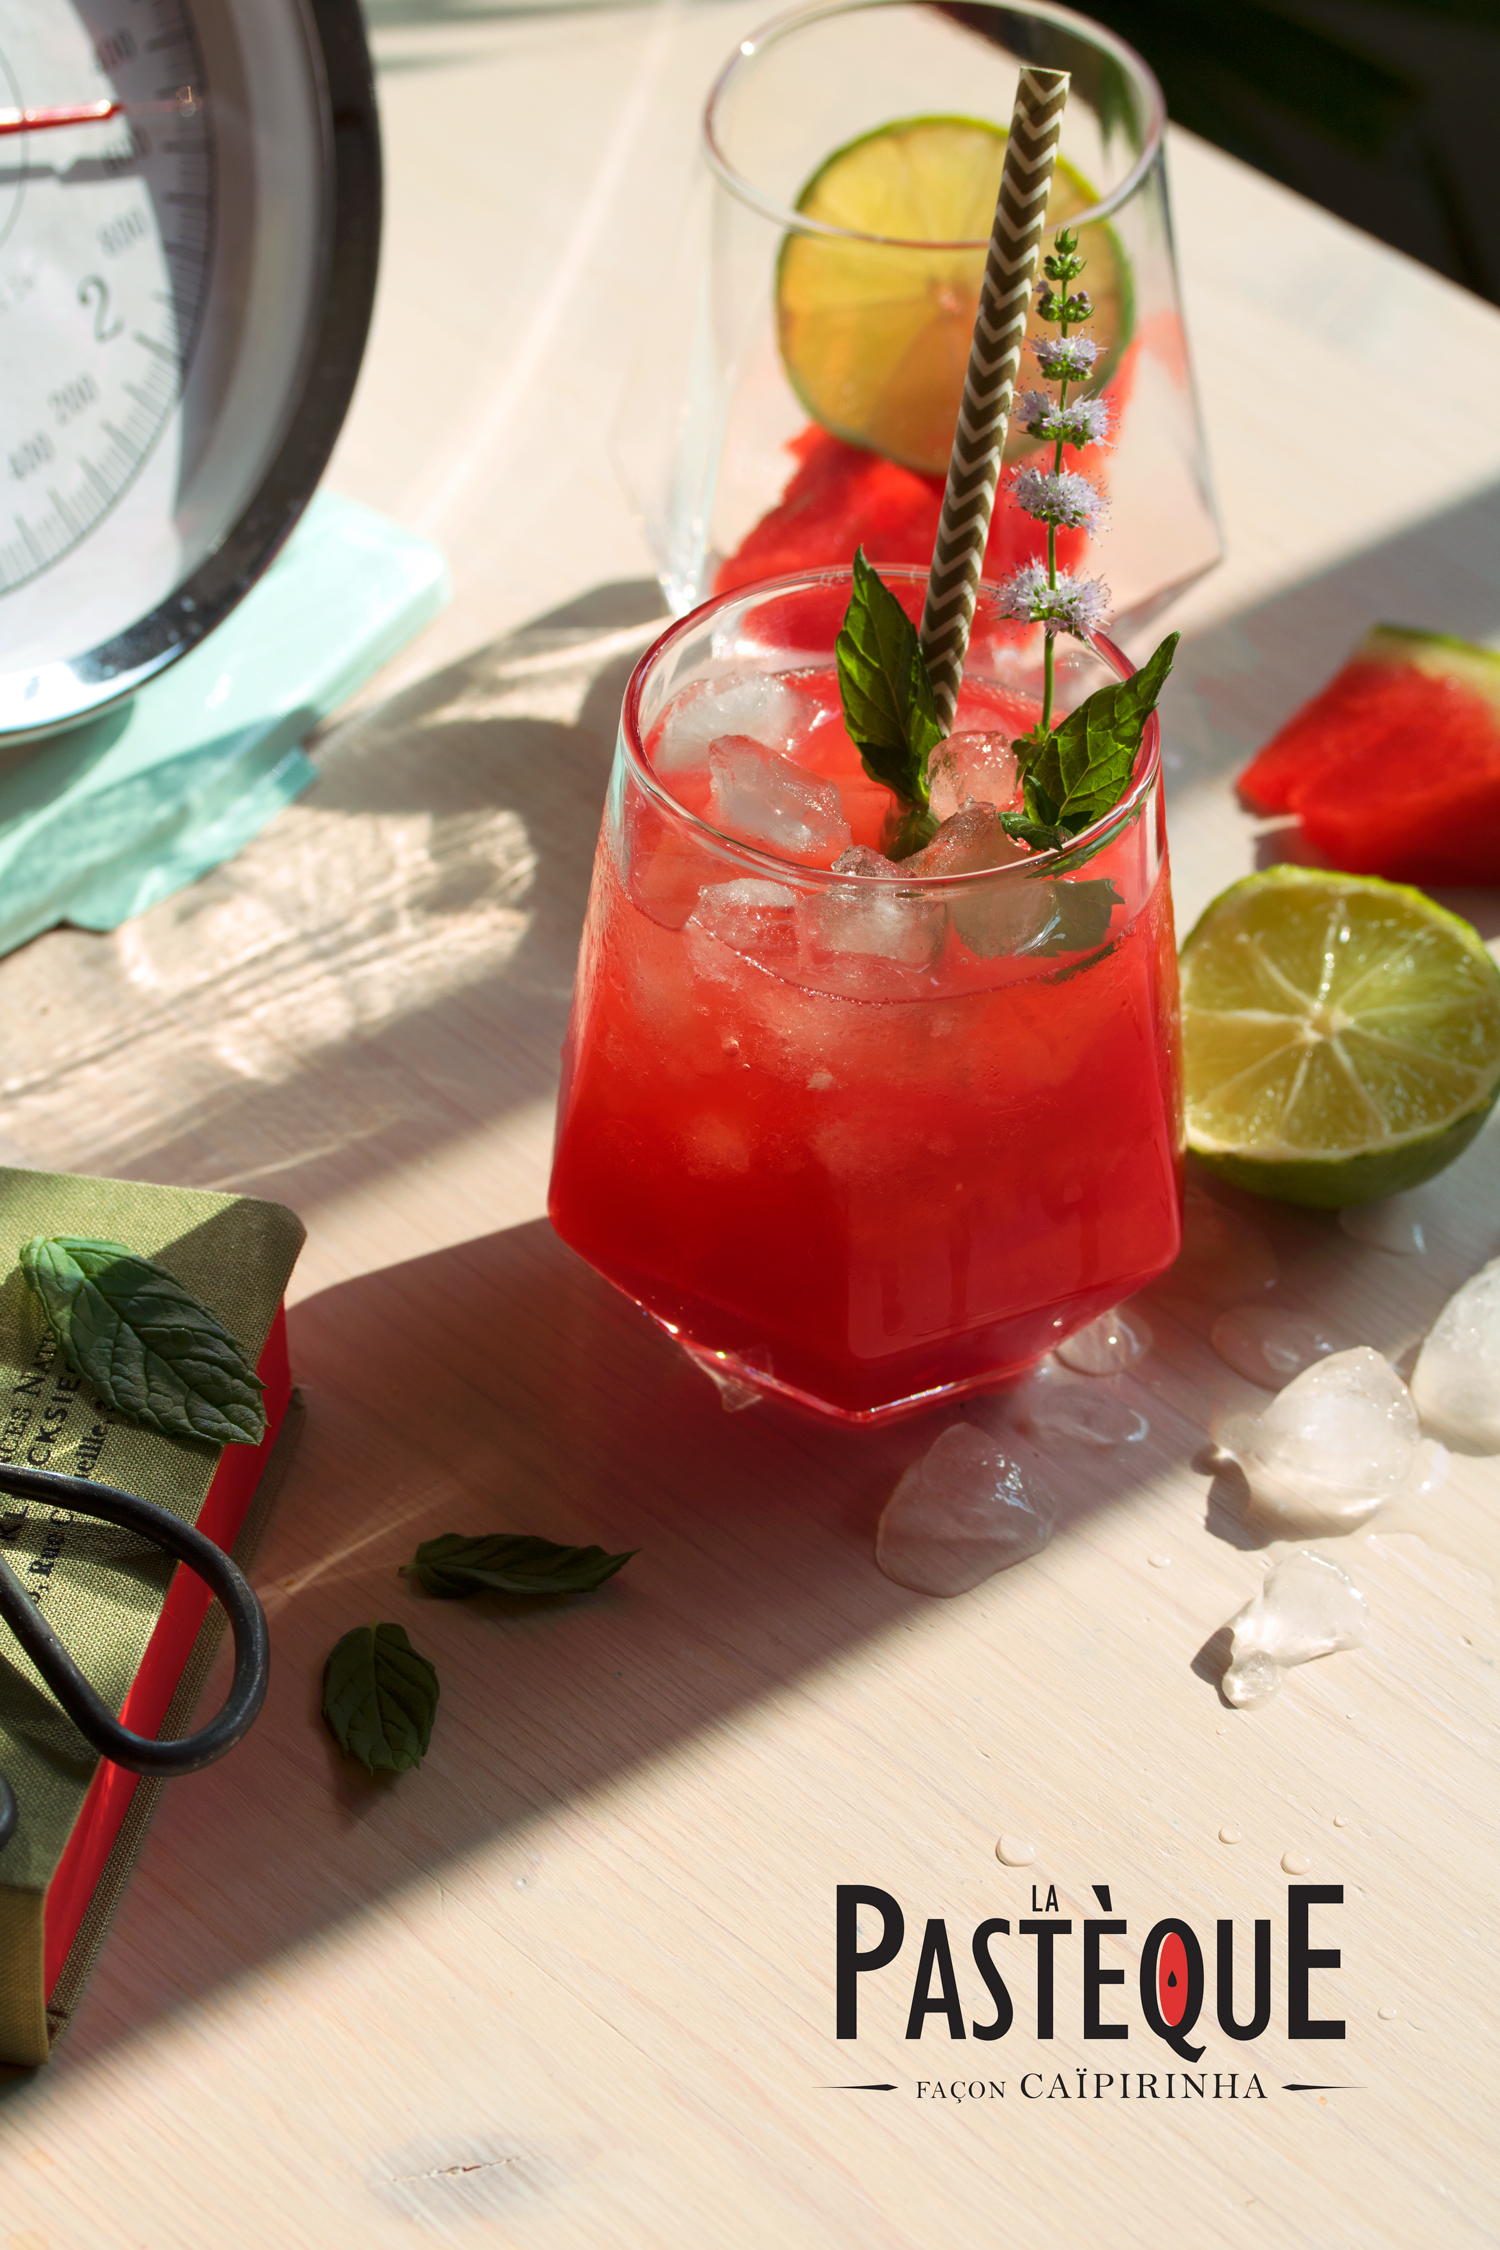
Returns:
point(571, 1983)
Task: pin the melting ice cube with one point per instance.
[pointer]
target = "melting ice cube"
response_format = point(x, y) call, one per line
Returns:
point(1335, 1445)
point(962, 1512)
point(1307, 1607)
point(867, 917)
point(978, 766)
point(768, 799)
point(969, 842)
point(766, 710)
point(756, 919)
point(1456, 1383)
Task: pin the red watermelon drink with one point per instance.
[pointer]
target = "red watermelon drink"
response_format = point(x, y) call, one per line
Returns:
point(860, 1135)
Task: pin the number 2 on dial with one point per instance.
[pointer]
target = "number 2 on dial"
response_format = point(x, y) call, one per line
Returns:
point(95, 289)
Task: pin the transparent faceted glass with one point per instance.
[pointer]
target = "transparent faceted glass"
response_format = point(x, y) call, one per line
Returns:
point(858, 1141)
point(766, 428)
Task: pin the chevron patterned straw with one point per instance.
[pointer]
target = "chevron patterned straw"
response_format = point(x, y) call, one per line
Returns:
point(994, 360)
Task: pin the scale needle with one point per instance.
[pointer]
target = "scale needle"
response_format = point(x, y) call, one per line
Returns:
point(184, 104)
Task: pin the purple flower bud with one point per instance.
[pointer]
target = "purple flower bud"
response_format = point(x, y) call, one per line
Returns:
point(1059, 496)
point(1066, 359)
point(1082, 421)
point(1073, 605)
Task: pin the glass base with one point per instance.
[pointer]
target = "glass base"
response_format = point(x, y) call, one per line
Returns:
point(740, 1383)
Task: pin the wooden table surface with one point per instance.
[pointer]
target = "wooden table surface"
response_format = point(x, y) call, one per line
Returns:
point(572, 1983)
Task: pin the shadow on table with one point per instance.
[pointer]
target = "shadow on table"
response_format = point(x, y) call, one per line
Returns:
point(500, 1384)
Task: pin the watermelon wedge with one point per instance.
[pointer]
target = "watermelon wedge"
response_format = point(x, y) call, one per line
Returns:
point(1394, 769)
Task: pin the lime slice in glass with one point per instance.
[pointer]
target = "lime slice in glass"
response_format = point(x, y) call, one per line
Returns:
point(1341, 1036)
point(875, 334)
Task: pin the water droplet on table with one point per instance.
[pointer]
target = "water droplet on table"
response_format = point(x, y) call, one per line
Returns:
point(1269, 1345)
point(1110, 1344)
point(1295, 1863)
point(1014, 1851)
point(1231, 1836)
point(1388, 2015)
point(1393, 1225)
point(1340, 1820)
point(1160, 1562)
point(1077, 1411)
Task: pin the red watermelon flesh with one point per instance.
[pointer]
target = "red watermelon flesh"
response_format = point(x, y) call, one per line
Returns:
point(1394, 769)
point(840, 497)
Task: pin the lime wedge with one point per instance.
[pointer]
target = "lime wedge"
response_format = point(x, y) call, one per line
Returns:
point(875, 335)
point(1341, 1036)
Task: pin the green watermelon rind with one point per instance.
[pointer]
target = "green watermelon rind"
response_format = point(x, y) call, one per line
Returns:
point(1441, 656)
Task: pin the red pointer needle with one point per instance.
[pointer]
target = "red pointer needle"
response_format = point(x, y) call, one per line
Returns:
point(87, 113)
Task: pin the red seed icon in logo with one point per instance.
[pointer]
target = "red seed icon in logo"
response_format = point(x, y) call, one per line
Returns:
point(1172, 1979)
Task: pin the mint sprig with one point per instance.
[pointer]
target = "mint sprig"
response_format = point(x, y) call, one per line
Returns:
point(1078, 771)
point(889, 708)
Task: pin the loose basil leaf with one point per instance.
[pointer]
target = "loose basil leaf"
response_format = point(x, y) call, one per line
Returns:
point(889, 709)
point(1083, 768)
point(145, 1346)
point(379, 1698)
point(500, 1562)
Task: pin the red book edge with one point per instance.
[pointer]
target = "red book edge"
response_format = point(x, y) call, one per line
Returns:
point(167, 1652)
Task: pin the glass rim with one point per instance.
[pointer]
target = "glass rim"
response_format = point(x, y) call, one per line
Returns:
point(798, 222)
point(762, 861)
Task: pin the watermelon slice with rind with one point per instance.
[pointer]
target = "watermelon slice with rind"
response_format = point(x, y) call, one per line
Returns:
point(1394, 769)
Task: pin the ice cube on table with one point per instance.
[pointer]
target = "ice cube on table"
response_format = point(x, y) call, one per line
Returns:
point(962, 1512)
point(1456, 1382)
point(871, 917)
point(766, 710)
point(978, 766)
point(767, 799)
point(758, 920)
point(1307, 1607)
point(1339, 1442)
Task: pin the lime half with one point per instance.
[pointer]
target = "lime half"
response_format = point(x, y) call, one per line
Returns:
point(875, 335)
point(1341, 1036)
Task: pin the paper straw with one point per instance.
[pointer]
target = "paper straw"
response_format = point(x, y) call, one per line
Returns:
point(989, 385)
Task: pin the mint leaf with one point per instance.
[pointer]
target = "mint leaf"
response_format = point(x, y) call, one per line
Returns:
point(889, 709)
point(500, 1562)
point(1040, 835)
point(379, 1698)
point(145, 1346)
point(1080, 918)
point(1084, 766)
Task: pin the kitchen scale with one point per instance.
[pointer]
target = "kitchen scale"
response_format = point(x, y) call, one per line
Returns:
point(189, 231)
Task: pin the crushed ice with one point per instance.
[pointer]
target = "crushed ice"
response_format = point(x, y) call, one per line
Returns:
point(1339, 1442)
point(1306, 1607)
point(1456, 1381)
point(964, 1511)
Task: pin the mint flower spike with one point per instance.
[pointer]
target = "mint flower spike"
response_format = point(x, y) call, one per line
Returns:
point(1084, 421)
point(1066, 359)
point(1059, 496)
point(1071, 605)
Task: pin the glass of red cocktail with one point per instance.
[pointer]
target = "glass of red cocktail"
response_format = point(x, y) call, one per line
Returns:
point(863, 1140)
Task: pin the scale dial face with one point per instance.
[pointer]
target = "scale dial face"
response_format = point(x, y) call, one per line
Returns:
point(185, 280)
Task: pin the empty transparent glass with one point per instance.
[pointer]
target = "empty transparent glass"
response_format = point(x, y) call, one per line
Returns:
point(797, 383)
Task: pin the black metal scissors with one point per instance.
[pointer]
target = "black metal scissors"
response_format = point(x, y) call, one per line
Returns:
point(139, 1753)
